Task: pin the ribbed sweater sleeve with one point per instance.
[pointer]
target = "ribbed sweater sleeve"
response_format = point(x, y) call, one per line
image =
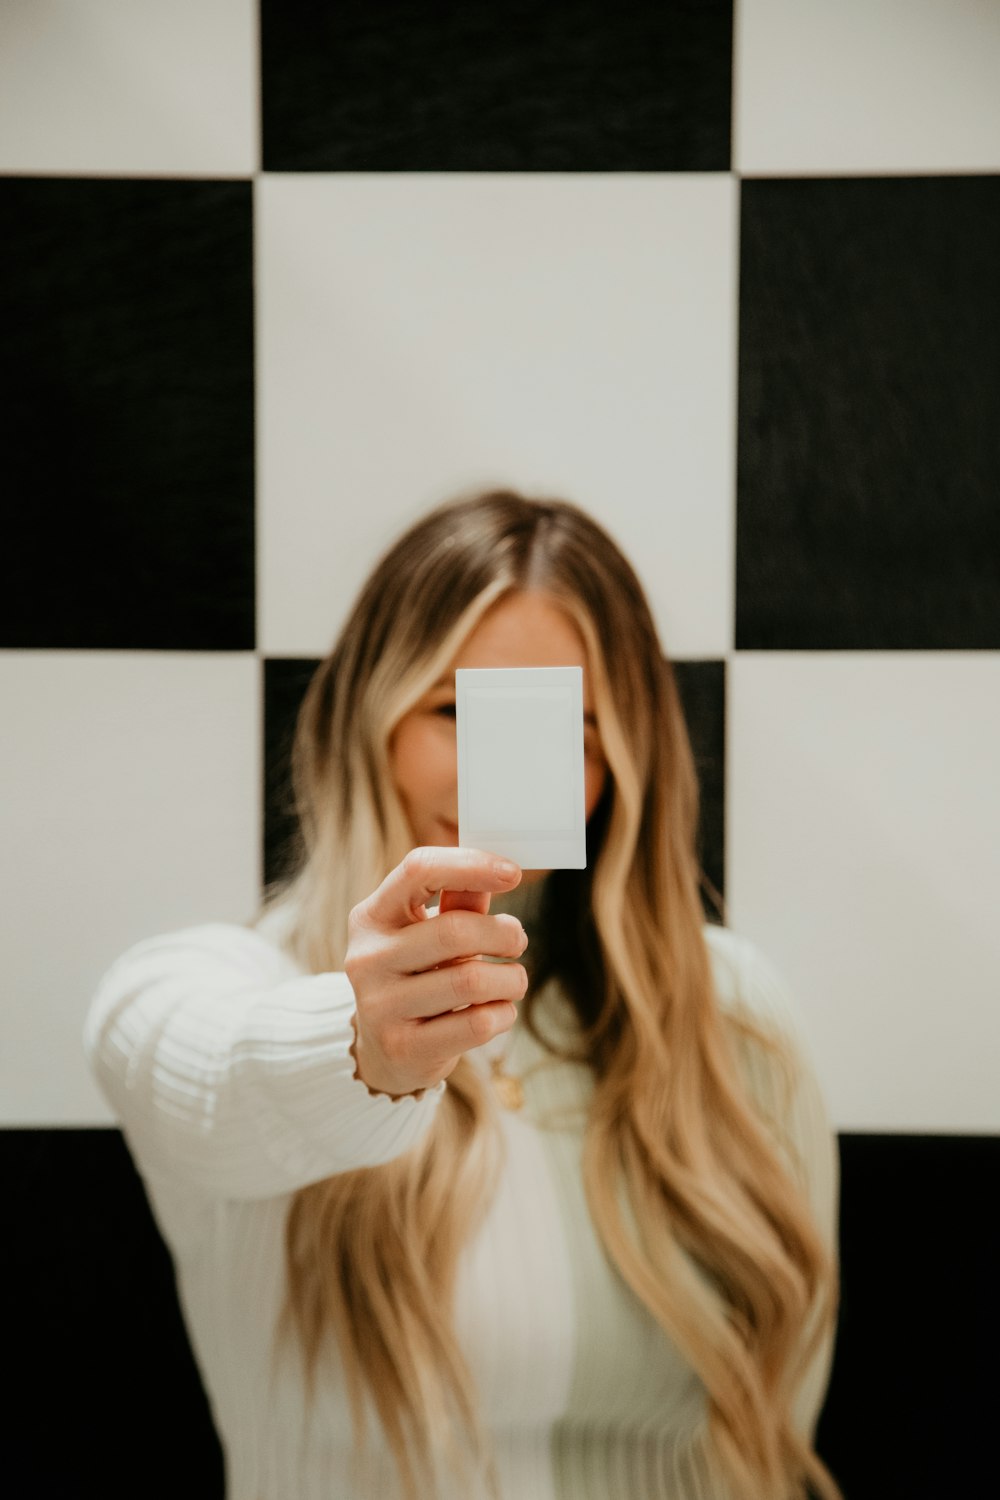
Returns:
point(232, 1072)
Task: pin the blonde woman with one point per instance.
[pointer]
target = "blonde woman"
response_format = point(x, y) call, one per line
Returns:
point(557, 1226)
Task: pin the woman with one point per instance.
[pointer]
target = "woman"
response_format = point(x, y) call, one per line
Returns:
point(481, 1181)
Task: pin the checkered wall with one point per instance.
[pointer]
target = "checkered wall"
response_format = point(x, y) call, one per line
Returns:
point(275, 279)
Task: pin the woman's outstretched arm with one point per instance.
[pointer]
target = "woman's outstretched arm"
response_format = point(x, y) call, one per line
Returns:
point(233, 1073)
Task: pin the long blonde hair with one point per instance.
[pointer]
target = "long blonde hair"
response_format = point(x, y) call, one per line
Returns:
point(711, 1232)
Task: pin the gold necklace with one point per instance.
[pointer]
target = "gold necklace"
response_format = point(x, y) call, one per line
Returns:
point(525, 904)
point(508, 1088)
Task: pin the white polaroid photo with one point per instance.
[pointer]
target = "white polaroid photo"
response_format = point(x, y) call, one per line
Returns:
point(520, 764)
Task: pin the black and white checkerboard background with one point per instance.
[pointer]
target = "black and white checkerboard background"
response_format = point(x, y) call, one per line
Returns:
point(275, 279)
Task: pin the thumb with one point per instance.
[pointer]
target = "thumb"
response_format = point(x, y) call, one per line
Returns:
point(465, 901)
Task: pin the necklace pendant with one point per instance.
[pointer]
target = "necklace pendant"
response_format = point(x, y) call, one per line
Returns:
point(509, 1090)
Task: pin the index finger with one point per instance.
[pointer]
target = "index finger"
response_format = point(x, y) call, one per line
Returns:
point(403, 894)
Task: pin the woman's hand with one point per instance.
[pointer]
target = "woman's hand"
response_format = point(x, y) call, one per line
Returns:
point(424, 992)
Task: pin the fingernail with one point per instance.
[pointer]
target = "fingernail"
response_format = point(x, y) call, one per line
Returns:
point(505, 868)
point(522, 934)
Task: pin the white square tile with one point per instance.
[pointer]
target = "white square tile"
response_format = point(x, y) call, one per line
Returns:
point(120, 88)
point(131, 807)
point(866, 86)
point(421, 334)
point(864, 858)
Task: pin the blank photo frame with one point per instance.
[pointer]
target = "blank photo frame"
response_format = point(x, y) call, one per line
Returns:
point(520, 764)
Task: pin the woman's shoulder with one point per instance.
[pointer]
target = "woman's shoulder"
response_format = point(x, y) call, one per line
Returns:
point(748, 984)
point(253, 949)
point(772, 1049)
point(275, 923)
point(774, 1056)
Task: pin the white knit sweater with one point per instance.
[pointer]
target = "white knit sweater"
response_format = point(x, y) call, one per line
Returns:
point(230, 1072)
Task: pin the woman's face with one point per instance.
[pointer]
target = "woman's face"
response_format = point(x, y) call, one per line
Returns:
point(521, 630)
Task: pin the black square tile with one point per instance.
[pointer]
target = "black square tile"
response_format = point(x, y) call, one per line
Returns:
point(126, 384)
point(702, 689)
point(909, 1411)
point(285, 683)
point(869, 415)
point(94, 1332)
point(569, 85)
point(106, 1400)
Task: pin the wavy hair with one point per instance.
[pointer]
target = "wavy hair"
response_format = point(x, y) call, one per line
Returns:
point(686, 1184)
